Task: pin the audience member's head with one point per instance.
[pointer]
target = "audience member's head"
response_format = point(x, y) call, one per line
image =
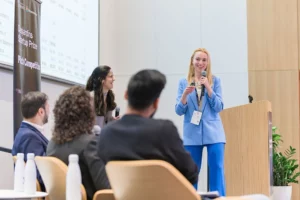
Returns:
point(73, 115)
point(101, 83)
point(35, 107)
point(143, 92)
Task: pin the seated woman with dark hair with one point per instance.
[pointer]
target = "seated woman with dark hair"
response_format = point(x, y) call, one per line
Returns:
point(74, 120)
point(100, 84)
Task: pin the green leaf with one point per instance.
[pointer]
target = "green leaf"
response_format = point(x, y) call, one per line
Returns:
point(285, 167)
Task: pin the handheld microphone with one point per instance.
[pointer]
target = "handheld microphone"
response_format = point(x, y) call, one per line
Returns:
point(117, 113)
point(203, 87)
point(96, 130)
point(193, 84)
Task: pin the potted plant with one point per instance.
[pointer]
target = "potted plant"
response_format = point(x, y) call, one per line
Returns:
point(285, 169)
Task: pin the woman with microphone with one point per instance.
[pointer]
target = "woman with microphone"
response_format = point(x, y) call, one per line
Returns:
point(100, 84)
point(199, 99)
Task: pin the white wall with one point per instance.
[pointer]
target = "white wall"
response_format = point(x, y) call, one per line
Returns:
point(51, 88)
point(163, 34)
point(224, 34)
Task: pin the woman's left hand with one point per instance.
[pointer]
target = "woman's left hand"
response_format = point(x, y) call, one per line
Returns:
point(204, 81)
point(116, 118)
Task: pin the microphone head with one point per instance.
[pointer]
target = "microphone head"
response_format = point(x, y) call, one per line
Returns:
point(96, 130)
point(203, 73)
point(117, 112)
point(193, 83)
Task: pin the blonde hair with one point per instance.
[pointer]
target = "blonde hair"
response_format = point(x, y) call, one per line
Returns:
point(191, 74)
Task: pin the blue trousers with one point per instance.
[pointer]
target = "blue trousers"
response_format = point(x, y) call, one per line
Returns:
point(215, 154)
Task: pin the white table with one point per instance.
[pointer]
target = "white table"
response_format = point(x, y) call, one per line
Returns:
point(11, 194)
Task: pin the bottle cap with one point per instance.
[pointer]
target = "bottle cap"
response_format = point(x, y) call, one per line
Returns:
point(30, 156)
point(73, 158)
point(20, 156)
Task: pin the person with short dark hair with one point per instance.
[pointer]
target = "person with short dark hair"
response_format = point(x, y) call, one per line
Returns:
point(137, 136)
point(30, 137)
point(72, 134)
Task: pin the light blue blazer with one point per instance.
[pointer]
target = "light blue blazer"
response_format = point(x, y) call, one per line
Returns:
point(210, 130)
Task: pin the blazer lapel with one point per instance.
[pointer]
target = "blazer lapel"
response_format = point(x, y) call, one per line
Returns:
point(204, 101)
point(193, 98)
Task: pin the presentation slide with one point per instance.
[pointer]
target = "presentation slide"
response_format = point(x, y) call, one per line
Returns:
point(69, 37)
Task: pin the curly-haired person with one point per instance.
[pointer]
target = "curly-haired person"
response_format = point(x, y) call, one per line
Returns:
point(72, 134)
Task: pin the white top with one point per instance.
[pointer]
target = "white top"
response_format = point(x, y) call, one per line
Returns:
point(11, 194)
point(199, 90)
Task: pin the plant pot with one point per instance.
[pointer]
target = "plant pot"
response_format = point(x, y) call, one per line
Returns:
point(281, 192)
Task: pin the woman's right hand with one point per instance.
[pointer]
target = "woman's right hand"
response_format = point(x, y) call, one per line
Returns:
point(188, 90)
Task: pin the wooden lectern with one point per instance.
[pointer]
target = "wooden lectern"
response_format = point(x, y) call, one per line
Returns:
point(248, 154)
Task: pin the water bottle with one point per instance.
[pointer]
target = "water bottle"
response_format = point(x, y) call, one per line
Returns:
point(73, 179)
point(19, 173)
point(30, 175)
